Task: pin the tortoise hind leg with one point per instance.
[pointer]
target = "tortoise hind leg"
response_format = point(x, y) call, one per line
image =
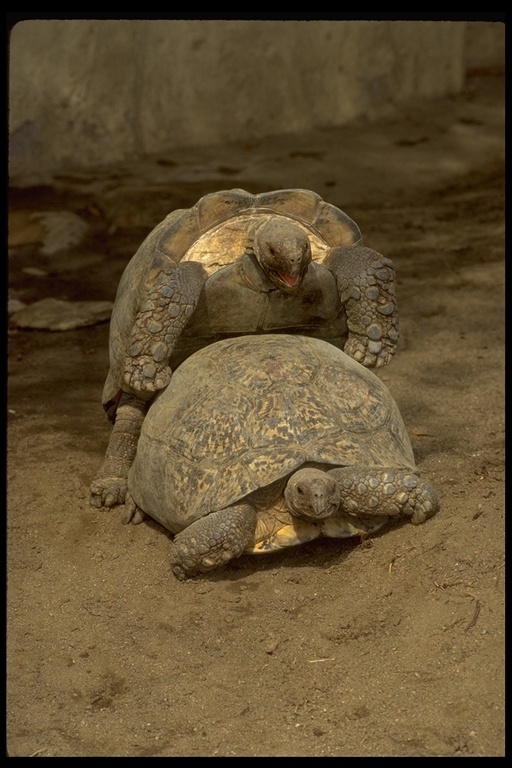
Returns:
point(109, 486)
point(133, 513)
point(385, 491)
point(212, 541)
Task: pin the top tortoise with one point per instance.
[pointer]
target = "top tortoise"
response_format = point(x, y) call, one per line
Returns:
point(233, 264)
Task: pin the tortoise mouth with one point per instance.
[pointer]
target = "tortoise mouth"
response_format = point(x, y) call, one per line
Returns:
point(324, 511)
point(285, 280)
point(291, 280)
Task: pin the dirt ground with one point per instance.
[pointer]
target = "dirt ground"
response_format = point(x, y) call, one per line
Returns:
point(393, 646)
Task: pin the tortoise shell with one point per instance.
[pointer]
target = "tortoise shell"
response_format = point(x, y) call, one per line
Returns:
point(244, 413)
point(214, 233)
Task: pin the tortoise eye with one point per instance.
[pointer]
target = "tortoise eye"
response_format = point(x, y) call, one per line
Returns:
point(300, 491)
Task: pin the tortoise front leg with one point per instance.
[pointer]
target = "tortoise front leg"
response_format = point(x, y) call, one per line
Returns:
point(385, 491)
point(366, 285)
point(109, 486)
point(170, 297)
point(212, 541)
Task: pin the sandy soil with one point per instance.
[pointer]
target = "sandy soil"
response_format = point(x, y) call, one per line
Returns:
point(393, 646)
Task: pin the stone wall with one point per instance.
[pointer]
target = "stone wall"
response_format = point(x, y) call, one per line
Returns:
point(88, 92)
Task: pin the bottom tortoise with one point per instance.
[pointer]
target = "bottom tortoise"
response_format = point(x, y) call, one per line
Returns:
point(265, 442)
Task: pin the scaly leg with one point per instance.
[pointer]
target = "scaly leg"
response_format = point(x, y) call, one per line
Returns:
point(385, 491)
point(366, 285)
point(213, 540)
point(109, 486)
point(170, 297)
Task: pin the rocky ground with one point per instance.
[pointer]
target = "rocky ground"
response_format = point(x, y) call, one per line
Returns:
point(391, 646)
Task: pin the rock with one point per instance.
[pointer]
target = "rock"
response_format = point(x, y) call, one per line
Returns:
point(15, 305)
point(59, 315)
point(55, 230)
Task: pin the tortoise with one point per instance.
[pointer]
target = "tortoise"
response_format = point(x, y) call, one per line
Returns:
point(265, 442)
point(236, 263)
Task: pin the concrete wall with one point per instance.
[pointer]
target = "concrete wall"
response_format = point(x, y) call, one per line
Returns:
point(485, 47)
point(85, 93)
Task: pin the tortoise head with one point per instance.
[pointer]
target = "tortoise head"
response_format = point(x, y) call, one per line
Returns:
point(283, 251)
point(311, 494)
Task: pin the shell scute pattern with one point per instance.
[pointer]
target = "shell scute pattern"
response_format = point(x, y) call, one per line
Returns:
point(275, 369)
point(361, 405)
point(227, 433)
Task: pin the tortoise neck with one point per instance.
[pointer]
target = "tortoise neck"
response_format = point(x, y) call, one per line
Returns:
point(253, 275)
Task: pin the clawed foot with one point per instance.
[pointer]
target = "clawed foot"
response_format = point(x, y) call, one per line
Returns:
point(424, 503)
point(132, 513)
point(144, 376)
point(108, 491)
point(186, 561)
point(371, 354)
point(212, 541)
